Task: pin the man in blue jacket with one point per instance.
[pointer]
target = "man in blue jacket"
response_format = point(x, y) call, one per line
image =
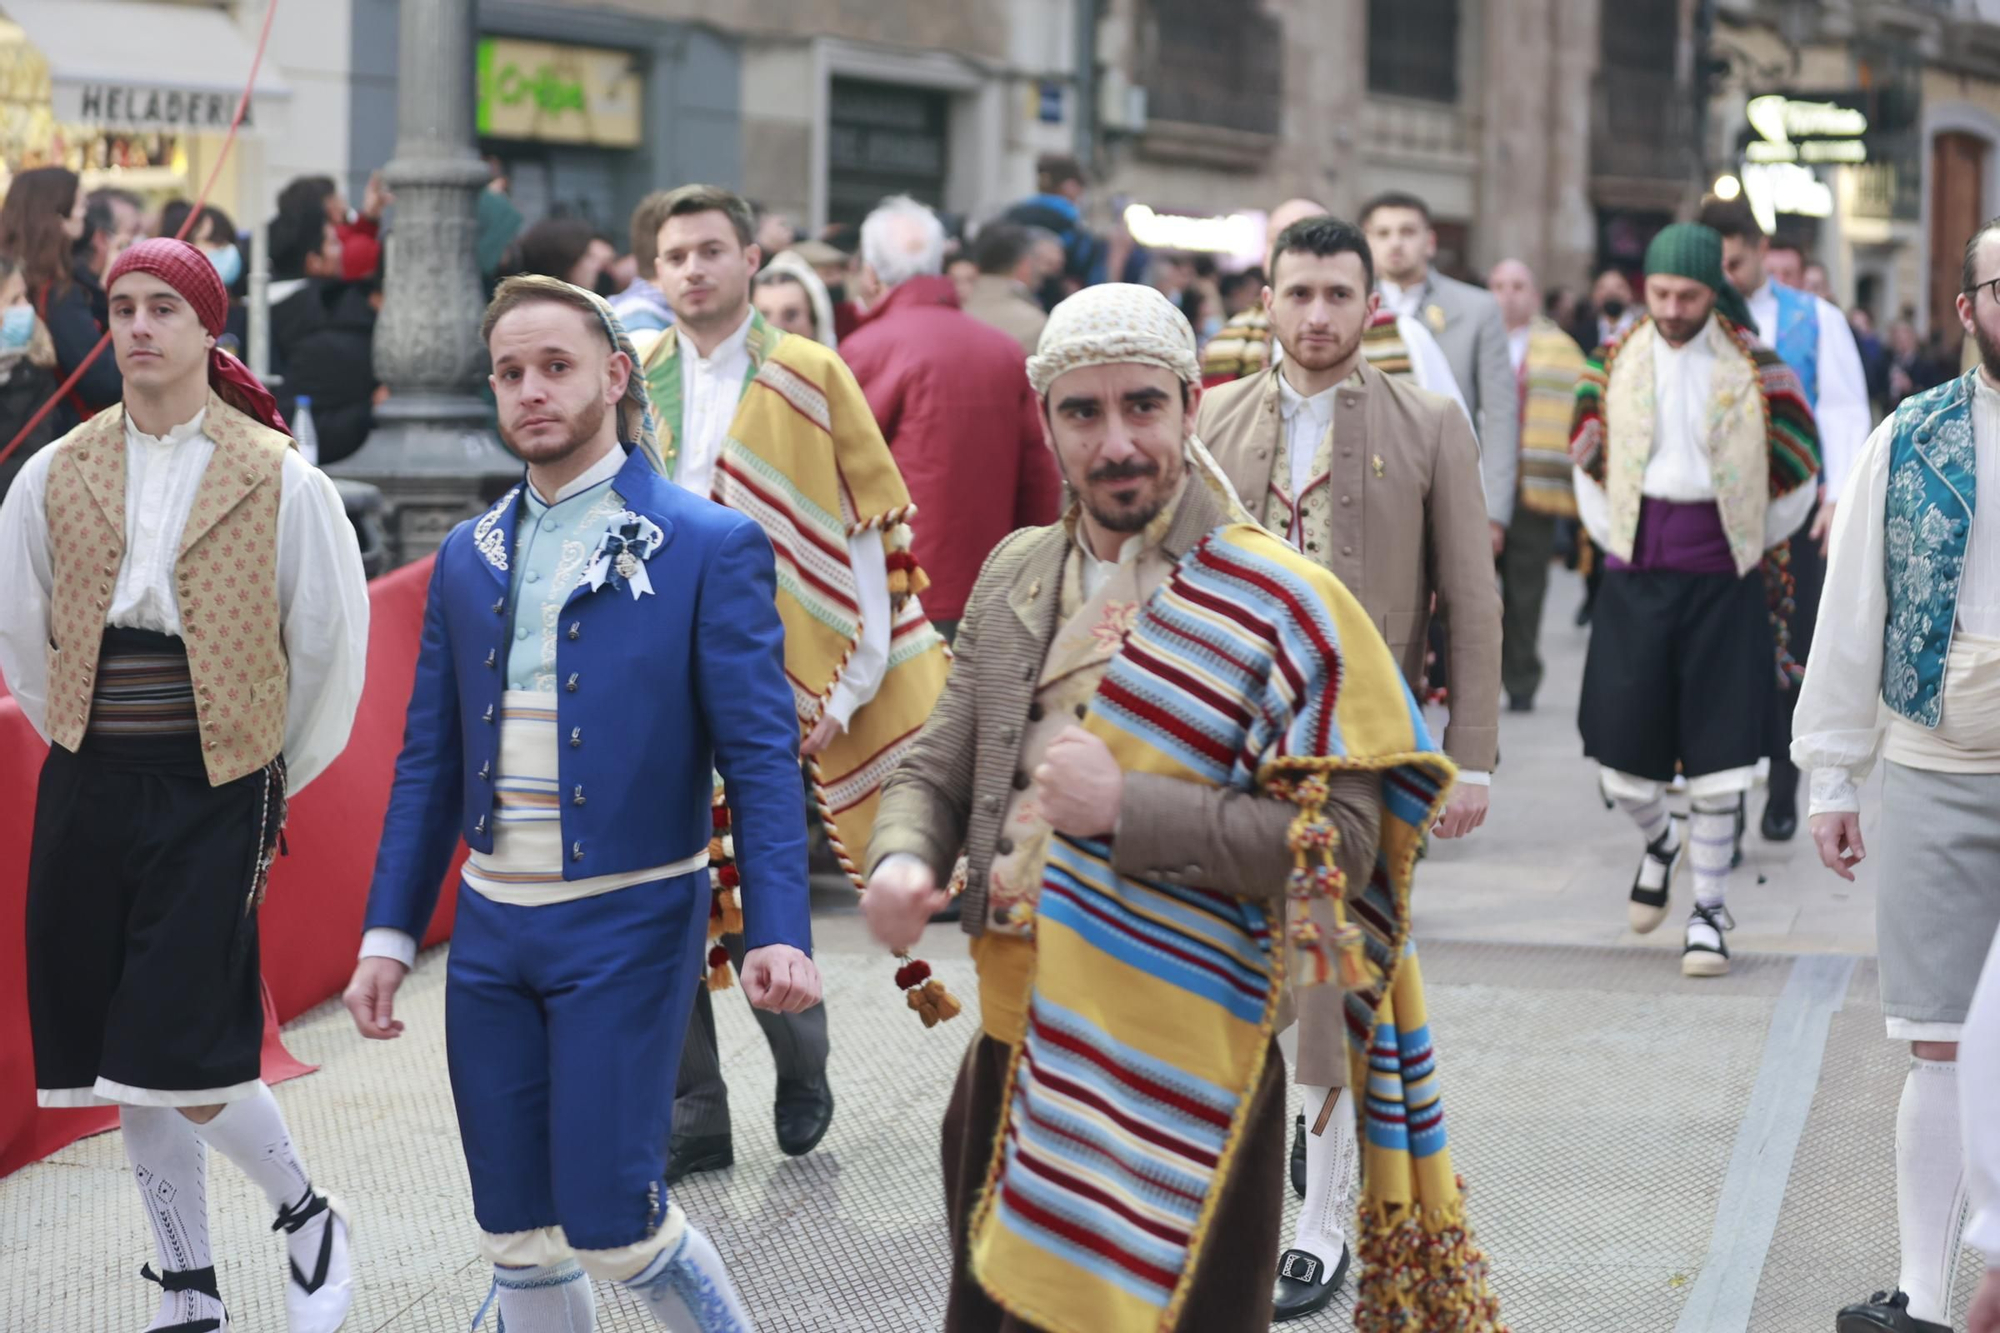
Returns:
point(595, 647)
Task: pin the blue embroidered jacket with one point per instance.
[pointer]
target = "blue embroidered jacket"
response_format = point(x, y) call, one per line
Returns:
point(1927, 521)
point(1797, 340)
point(654, 695)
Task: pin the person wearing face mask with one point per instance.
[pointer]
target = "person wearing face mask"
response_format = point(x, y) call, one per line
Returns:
point(40, 225)
point(322, 331)
point(214, 234)
point(27, 371)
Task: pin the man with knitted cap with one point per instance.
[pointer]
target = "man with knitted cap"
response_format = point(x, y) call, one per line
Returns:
point(1695, 454)
point(1141, 751)
point(186, 623)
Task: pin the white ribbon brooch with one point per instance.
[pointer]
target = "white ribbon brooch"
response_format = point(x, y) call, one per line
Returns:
point(620, 559)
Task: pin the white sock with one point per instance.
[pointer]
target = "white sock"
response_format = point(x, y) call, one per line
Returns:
point(1930, 1186)
point(171, 1167)
point(252, 1134)
point(688, 1290)
point(1711, 846)
point(1330, 1161)
point(553, 1298)
point(1650, 815)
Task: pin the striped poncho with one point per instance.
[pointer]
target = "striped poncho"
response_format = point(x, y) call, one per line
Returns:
point(1152, 1006)
point(1548, 375)
point(1762, 441)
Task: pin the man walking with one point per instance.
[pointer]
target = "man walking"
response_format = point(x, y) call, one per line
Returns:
point(186, 621)
point(1908, 665)
point(1141, 736)
point(1376, 481)
point(949, 395)
point(1003, 293)
point(1547, 364)
point(1695, 454)
point(1814, 339)
point(774, 426)
point(595, 646)
point(1467, 324)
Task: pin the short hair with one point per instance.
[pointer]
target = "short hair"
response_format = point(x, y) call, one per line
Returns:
point(1791, 243)
point(901, 240)
point(515, 292)
point(691, 199)
point(553, 246)
point(1247, 277)
point(1732, 219)
point(307, 192)
point(1395, 199)
point(1968, 274)
point(1054, 170)
point(1001, 246)
point(295, 235)
point(647, 219)
point(1324, 236)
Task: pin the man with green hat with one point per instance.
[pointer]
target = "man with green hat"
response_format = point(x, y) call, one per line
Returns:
point(1695, 453)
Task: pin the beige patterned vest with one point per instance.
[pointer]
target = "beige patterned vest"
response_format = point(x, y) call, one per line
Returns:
point(225, 576)
point(1306, 522)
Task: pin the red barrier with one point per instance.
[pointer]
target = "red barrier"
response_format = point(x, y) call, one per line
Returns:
point(309, 926)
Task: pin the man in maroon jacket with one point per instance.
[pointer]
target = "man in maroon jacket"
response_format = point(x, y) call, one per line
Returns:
point(953, 402)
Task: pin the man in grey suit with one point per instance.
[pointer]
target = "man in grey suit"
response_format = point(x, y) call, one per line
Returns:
point(1466, 322)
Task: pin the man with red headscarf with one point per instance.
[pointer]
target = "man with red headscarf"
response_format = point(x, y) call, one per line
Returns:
point(186, 623)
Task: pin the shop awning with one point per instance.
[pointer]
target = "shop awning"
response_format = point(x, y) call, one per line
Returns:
point(136, 66)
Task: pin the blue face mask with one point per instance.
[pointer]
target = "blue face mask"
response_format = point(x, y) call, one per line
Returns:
point(17, 325)
point(228, 261)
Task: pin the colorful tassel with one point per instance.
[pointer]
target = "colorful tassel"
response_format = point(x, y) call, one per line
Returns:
point(720, 975)
point(731, 901)
point(926, 995)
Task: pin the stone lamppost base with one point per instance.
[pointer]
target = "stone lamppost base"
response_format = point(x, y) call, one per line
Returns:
point(437, 462)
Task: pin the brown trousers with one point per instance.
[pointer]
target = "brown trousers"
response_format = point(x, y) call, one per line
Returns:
point(1232, 1289)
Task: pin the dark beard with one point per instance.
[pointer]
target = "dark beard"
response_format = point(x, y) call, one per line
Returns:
point(583, 428)
point(1126, 520)
point(1989, 352)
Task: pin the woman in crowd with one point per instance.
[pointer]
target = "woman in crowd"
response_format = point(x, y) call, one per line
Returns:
point(789, 294)
point(40, 224)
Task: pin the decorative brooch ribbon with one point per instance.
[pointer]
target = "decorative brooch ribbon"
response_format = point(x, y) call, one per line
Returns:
point(620, 559)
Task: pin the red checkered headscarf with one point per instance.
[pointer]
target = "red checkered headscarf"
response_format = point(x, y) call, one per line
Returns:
point(187, 271)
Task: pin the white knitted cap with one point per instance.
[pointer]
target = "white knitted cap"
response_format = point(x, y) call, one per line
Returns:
point(1110, 323)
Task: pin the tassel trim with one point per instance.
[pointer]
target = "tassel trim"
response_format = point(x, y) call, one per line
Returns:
point(1422, 1269)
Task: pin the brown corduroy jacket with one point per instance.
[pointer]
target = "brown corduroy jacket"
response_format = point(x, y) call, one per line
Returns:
point(950, 791)
point(1410, 520)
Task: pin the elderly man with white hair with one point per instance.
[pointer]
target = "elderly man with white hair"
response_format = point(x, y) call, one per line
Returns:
point(1162, 722)
point(948, 393)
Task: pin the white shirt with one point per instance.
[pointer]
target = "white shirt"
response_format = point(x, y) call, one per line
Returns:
point(1307, 420)
point(1841, 720)
point(1842, 411)
point(1517, 347)
point(322, 589)
point(711, 388)
point(1682, 379)
point(1406, 301)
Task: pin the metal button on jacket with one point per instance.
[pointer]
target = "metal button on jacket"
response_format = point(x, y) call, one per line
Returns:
point(576, 851)
point(1004, 846)
point(480, 827)
point(1034, 712)
point(492, 656)
point(576, 738)
point(570, 684)
point(487, 716)
point(578, 798)
point(576, 629)
point(485, 769)
point(499, 605)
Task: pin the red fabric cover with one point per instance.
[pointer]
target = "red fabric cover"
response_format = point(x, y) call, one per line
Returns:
point(309, 926)
point(951, 395)
point(360, 248)
point(187, 271)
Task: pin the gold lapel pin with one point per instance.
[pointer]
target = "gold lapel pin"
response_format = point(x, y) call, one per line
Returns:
point(1377, 461)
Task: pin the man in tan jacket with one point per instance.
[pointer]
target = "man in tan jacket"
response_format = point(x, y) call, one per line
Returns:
point(1379, 481)
point(1010, 269)
point(1003, 770)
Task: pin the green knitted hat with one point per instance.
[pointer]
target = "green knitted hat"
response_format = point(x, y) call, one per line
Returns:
point(1690, 250)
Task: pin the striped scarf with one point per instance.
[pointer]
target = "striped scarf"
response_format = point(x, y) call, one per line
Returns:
point(805, 459)
point(1152, 1008)
point(1762, 441)
point(1383, 346)
point(1548, 377)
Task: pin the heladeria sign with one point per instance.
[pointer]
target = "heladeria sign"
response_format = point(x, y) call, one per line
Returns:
point(136, 107)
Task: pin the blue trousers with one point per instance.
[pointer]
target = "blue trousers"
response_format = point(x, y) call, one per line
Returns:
point(564, 1026)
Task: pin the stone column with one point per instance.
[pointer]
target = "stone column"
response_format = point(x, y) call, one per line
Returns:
point(432, 452)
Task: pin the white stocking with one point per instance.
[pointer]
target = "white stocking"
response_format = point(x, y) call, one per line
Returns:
point(551, 1298)
point(687, 1289)
point(1330, 1161)
point(1930, 1186)
point(171, 1167)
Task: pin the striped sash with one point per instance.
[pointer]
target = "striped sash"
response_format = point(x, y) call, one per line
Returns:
point(142, 708)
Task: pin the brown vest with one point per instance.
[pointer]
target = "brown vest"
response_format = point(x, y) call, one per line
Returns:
point(226, 578)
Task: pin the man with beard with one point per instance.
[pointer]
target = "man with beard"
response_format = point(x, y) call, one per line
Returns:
point(775, 426)
point(1377, 481)
point(595, 646)
point(1695, 454)
point(1134, 691)
point(1907, 665)
point(1814, 339)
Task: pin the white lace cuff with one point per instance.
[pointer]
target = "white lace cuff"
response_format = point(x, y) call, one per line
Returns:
point(1833, 790)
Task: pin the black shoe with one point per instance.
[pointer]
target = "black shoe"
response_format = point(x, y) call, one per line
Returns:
point(1781, 820)
point(1884, 1312)
point(691, 1154)
point(1520, 703)
point(1304, 1285)
point(804, 1111)
point(1299, 1157)
point(1653, 884)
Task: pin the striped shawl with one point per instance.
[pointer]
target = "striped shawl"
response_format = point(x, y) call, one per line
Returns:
point(1152, 1006)
point(1762, 441)
point(805, 459)
point(1548, 377)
